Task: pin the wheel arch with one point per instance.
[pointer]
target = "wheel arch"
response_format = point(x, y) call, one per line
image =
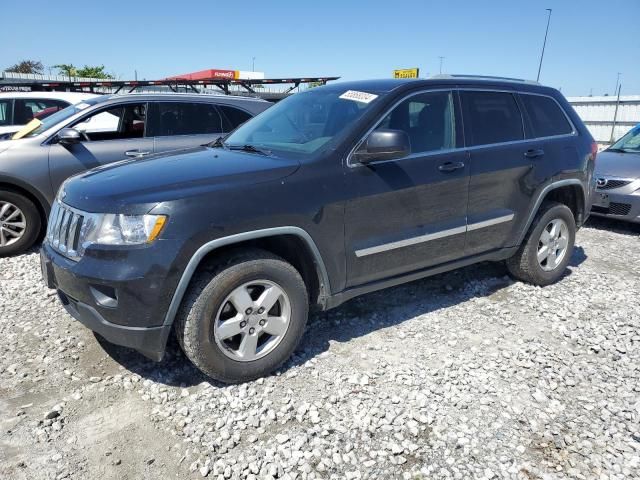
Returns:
point(17, 186)
point(283, 241)
point(569, 191)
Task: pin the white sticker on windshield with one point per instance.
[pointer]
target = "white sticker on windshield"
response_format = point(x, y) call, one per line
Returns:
point(357, 96)
point(82, 106)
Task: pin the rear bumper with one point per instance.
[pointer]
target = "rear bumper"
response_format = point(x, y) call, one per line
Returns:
point(621, 207)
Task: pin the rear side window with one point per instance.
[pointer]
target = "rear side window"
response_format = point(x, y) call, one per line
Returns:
point(5, 112)
point(491, 117)
point(545, 115)
point(176, 118)
point(233, 117)
point(40, 108)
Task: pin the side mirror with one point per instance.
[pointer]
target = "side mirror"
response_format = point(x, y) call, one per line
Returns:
point(383, 144)
point(69, 136)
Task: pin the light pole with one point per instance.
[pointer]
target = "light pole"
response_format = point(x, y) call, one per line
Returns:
point(253, 64)
point(617, 83)
point(441, 59)
point(544, 44)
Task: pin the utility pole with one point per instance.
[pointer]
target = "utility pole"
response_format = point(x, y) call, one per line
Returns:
point(441, 59)
point(615, 116)
point(617, 83)
point(544, 44)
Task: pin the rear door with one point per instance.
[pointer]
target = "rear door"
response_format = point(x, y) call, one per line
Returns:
point(410, 213)
point(110, 134)
point(178, 125)
point(502, 179)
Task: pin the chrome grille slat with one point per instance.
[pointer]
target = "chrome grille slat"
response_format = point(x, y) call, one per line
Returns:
point(56, 227)
point(52, 216)
point(71, 233)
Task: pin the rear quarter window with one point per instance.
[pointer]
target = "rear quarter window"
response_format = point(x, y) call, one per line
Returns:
point(545, 115)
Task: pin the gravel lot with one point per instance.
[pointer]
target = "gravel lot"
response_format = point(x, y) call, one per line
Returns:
point(462, 375)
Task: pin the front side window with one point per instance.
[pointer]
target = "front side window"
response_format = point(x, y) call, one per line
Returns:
point(428, 119)
point(491, 117)
point(5, 112)
point(119, 122)
point(177, 118)
point(546, 117)
point(304, 122)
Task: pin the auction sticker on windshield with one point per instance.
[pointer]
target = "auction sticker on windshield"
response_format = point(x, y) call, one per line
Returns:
point(357, 96)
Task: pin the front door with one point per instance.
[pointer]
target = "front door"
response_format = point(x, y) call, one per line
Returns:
point(110, 134)
point(410, 213)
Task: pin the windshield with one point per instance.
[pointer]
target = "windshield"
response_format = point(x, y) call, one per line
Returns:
point(629, 143)
point(57, 117)
point(304, 122)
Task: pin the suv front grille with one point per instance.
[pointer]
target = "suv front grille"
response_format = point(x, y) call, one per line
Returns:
point(63, 231)
point(620, 209)
point(610, 183)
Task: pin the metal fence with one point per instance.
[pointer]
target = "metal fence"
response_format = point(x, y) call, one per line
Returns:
point(600, 116)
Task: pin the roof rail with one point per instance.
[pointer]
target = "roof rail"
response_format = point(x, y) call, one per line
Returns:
point(483, 77)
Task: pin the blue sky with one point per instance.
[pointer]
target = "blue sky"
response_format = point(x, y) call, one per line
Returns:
point(590, 41)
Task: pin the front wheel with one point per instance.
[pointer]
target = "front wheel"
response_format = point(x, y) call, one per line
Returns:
point(546, 251)
point(244, 319)
point(19, 223)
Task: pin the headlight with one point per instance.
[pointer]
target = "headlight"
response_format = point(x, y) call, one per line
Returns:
point(119, 229)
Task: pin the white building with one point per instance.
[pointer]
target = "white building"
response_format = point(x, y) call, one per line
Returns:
point(598, 115)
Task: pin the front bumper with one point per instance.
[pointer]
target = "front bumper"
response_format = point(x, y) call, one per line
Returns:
point(123, 306)
point(617, 205)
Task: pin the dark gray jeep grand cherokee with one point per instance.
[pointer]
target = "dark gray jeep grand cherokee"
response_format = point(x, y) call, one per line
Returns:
point(332, 193)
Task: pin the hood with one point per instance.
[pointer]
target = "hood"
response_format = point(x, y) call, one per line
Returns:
point(131, 185)
point(615, 164)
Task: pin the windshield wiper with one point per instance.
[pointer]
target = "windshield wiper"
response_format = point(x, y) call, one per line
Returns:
point(249, 148)
point(620, 150)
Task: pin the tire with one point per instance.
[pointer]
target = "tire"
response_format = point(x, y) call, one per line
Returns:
point(208, 300)
point(525, 266)
point(19, 215)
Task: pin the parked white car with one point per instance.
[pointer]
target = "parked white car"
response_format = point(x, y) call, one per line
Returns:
point(19, 108)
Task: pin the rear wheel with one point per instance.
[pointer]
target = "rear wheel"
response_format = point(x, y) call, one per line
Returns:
point(19, 223)
point(546, 251)
point(245, 318)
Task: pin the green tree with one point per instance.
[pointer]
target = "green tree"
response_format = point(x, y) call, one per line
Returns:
point(27, 66)
point(93, 72)
point(67, 69)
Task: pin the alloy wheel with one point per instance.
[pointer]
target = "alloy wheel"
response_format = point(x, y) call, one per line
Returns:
point(252, 320)
point(12, 223)
point(552, 245)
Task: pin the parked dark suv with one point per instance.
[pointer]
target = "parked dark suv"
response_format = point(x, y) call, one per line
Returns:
point(332, 193)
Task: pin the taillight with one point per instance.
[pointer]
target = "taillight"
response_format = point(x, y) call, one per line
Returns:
point(594, 151)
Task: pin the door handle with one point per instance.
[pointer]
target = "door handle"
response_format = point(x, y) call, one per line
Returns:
point(136, 153)
point(451, 166)
point(534, 153)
